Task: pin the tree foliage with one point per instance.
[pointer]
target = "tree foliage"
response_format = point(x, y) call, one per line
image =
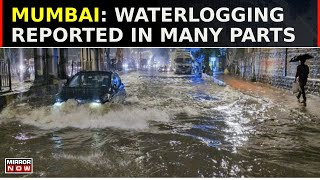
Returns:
point(206, 53)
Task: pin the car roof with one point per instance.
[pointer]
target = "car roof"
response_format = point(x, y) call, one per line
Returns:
point(95, 72)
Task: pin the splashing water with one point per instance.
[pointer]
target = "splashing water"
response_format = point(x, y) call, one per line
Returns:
point(82, 116)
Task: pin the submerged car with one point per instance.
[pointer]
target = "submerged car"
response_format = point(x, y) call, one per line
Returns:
point(92, 87)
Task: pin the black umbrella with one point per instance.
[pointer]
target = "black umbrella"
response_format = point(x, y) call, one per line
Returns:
point(301, 57)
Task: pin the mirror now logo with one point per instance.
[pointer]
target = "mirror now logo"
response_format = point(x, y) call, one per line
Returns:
point(18, 165)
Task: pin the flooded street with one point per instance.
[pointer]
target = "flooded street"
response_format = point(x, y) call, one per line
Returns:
point(169, 126)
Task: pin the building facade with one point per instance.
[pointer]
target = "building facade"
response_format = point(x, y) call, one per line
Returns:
point(272, 66)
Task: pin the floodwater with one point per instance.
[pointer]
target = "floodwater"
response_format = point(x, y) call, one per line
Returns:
point(169, 126)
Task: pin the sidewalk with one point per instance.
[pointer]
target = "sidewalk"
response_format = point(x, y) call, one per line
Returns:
point(26, 91)
point(276, 95)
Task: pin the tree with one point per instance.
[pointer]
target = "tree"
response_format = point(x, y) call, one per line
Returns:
point(119, 57)
point(28, 53)
point(233, 58)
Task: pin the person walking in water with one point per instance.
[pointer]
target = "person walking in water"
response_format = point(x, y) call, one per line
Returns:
point(302, 75)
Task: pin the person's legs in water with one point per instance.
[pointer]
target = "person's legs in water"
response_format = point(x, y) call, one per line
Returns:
point(299, 95)
point(300, 92)
point(303, 92)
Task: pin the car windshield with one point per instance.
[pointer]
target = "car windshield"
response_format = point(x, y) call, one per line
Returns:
point(182, 60)
point(90, 80)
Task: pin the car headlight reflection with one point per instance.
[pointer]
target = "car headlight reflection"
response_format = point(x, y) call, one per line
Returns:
point(59, 100)
point(97, 101)
point(95, 105)
point(58, 104)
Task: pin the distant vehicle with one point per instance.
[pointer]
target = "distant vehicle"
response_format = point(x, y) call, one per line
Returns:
point(164, 69)
point(96, 87)
point(184, 64)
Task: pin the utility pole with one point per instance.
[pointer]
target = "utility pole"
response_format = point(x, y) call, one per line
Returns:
point(108, 59)
point(37, 65)
point(286, 63)
point(96, 60)
point(62, 63)
point(45, 58)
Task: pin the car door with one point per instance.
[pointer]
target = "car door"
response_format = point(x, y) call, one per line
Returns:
point(72, 87)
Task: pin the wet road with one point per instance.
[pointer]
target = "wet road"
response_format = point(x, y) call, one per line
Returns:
point(169, 126)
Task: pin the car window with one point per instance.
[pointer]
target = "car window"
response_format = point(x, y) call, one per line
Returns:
point(74, 82)
point(90, 80)
point(104, 81)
